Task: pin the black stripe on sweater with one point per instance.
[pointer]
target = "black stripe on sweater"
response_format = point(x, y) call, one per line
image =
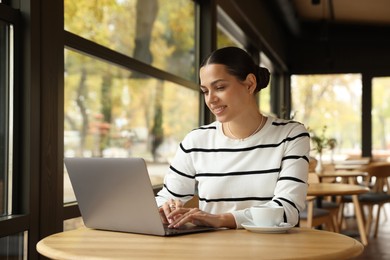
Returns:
point(288, 201)
point(236, 199)
point(285, 123)
point(176, 194)
point(295, 157)
point(289, 178)
point(181, 173)
point(237, 173)
point(284, 213)
point(243, 149)
point(206, 128)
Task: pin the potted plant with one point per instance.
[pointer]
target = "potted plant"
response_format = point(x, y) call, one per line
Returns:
point(320, 143)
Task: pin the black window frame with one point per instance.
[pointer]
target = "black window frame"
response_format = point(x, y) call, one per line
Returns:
point(18, 221)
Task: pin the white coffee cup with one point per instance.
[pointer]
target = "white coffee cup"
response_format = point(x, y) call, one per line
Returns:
point(265, 216)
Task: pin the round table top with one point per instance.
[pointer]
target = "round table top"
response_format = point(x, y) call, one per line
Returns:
point(296, 243)
point(330, 189)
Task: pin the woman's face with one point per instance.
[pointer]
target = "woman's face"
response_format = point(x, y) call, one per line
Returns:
point(226, 96)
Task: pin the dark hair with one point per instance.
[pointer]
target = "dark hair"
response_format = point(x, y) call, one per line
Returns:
point(239, 64)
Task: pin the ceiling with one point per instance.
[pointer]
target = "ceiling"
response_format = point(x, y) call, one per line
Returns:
point(336, 35)
point(317, 36)
point(359, 12)
point(306, 18)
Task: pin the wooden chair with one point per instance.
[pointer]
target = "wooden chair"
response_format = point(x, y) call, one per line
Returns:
point(192, 203)
point(329, 167)
point(327, 203)
point(312, 164)
point(379, 194)
point(331, 203)
point(314, 216)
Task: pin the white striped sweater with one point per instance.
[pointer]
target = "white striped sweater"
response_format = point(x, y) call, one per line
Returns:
point(270, 167)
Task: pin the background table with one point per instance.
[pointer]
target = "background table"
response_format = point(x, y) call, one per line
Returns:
point(349, 167)
point(297, 243)
point(346, 176)
point(352, 164)
point(337, 189)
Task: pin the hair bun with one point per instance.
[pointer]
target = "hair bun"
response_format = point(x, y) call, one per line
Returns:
point(263, 77)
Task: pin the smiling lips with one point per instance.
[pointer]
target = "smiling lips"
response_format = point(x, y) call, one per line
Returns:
point(218, 110)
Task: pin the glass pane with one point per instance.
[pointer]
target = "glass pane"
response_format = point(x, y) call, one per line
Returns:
point(228, 33)
point(109, 112)
point(5, 114)
point(158, 32)
point(334, 102)
point(14, 247)
point(265, 100)
point(265, 94)
point(224, 39)
point(381, 118)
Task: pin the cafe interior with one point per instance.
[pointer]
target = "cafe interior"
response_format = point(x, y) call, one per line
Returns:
point(120, 79)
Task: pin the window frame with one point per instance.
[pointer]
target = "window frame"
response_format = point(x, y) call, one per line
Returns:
point(18, 221)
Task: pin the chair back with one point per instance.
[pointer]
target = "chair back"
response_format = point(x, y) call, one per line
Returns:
point(313, 178)
point(328, 167)
point(312, 164)
point(378, 174)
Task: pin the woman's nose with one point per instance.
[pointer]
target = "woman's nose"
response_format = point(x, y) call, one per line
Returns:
point(212, 98)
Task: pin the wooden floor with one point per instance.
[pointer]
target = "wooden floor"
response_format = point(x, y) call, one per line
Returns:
point(377, 248)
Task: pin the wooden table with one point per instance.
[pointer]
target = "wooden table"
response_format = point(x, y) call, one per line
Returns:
point(352, 164)
point(338, 189)
point(349, 167)
point(350, 176)
point(297, 243)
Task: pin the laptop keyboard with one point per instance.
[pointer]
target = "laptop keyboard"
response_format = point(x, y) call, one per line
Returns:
point(172, 231)
point(186, 229)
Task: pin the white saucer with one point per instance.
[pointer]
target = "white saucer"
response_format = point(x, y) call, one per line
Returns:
point(277, 229)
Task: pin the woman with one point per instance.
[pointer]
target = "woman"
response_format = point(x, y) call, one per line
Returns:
point(242, 159)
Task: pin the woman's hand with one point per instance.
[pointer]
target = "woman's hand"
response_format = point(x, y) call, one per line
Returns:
point(169, 207)
point(180, 216)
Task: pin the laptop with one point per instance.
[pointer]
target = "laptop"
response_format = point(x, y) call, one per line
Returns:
point(116, 194)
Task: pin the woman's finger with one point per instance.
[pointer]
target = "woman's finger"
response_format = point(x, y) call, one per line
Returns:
point(163, 216)
point(181, 216)
point(169, 207)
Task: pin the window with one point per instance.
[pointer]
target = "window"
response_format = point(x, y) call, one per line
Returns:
point(109, 112)
point(228, 33)
point(157, 32)
point(224, 39)
point(265, 94)
point(142, 97)
point(12, 247)
point(381, 118)
point(334, 102)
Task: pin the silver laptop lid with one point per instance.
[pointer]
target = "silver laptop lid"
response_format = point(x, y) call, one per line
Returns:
point(115, 194)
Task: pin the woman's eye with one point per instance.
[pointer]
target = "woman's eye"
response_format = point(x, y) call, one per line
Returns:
point(204, 92)
point(220, 88)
